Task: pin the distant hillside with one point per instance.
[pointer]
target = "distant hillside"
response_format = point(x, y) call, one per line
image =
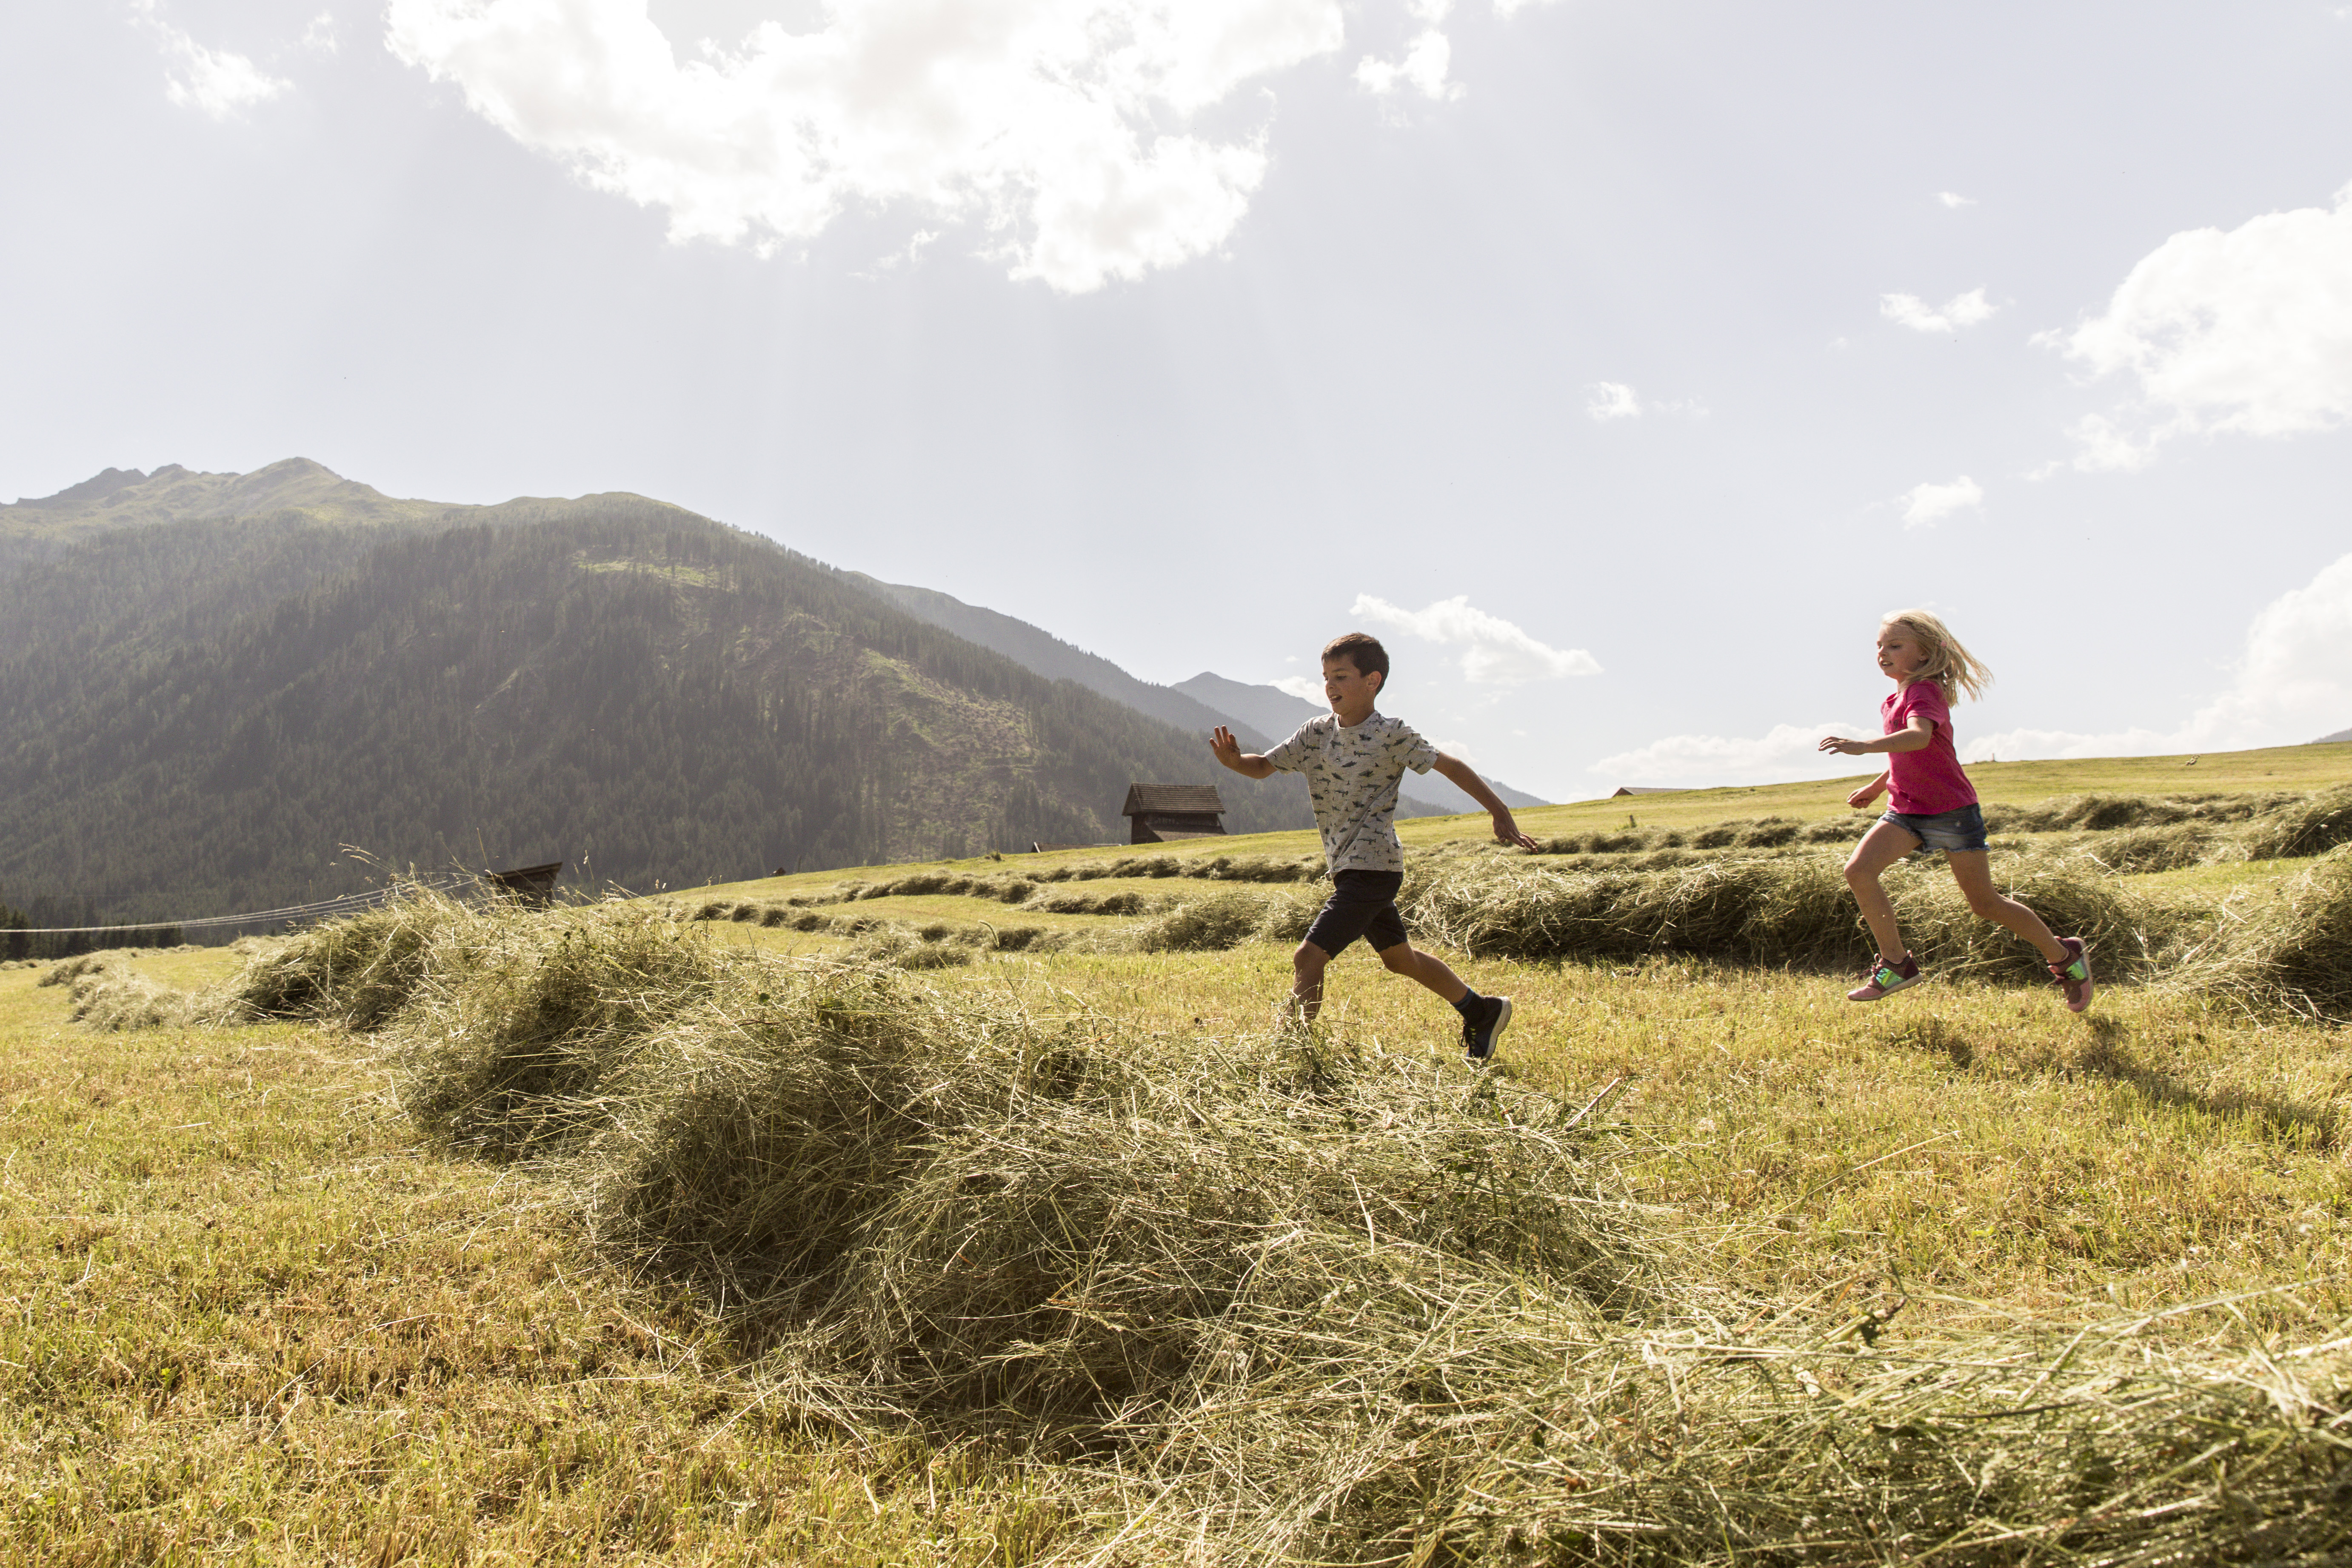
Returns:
point(1268, 709)
point(126, 497)
point(1036, 649)
point(1258, 715)
point(1277, 712)
point(2340, 735)
point(199, 716)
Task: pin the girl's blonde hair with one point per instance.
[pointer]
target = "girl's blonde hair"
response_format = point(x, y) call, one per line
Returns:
point(1952, 668)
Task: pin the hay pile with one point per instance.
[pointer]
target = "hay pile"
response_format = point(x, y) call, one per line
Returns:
point(2292, 951)
point(2106, 813)
point(1792, 911)
point(1253, 1303)
point(2311, 825)
point(108, 994)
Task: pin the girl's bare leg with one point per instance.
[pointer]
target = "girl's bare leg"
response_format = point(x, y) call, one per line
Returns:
point(1972, 870)
point(1880, 847)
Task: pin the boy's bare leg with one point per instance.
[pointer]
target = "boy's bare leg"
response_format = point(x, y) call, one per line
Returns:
point(1880, 847)
point(1972, 870)
point(1430, 969)
point(1307, 967)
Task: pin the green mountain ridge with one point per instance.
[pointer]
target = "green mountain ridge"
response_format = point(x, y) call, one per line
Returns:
point(126, 497)
point(201, 714)
point(1259, 716)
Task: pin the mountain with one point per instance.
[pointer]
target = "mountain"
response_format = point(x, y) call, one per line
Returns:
point(2340, 735)
point(1268, 709)
point(200, 714)
point(1036, 649)
point(126, 497)
point(1277, 712)
point(1258, 715)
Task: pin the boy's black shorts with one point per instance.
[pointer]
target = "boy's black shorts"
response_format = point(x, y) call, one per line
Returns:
point(1363, 904)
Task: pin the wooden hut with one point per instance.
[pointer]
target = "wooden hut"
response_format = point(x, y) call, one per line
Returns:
point(531, 884)
point(1162, 813)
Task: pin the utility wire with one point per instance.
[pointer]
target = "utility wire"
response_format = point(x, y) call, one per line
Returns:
point(348, 904)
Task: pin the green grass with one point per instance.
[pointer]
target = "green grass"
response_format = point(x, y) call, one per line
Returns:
point(251, 1320)
point(2018, 783)
point(247, 1322)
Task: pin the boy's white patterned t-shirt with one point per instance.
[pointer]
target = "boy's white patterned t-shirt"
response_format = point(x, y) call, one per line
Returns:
point(1351, 776)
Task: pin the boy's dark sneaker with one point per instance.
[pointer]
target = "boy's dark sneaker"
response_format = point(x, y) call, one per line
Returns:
point(2073, 976)
point(1885, 979)
point(1480, 1034)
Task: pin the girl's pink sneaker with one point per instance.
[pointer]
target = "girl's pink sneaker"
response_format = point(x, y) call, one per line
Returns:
point(2073, 976)
point(1885, 979)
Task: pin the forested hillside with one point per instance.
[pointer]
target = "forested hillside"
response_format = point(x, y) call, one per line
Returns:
point(200, 715)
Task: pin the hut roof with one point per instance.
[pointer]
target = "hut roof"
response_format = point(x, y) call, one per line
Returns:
point(1144, 797)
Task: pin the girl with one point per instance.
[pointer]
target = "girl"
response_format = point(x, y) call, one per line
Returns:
point(1933, 803)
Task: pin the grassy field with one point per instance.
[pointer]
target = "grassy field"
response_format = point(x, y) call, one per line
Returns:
point(256, 1315)
point(2023, 783)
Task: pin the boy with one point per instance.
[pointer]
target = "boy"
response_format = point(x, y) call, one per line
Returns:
point(1353, 759)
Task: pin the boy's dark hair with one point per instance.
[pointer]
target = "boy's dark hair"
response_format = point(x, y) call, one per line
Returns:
point(1363, 650)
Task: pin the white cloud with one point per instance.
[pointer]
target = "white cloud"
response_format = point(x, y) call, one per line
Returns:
point(1785, 751)
point(1507, 9)
point(1954, 200)
point(1607, 400)
point(1423, 66)
point(1055, 126)
point(1613, 400)
point(1960, 310)
point(211, 81)
point(1303, 686)
point(1925, 505)
point(1495, 652)
point(320, 33)
point(2248, 331)
point(2292, 683)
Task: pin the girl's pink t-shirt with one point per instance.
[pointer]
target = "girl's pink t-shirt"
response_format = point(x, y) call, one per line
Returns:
point(1928, 780)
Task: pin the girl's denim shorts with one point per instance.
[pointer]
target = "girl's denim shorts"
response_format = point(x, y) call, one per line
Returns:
point(1962, 830)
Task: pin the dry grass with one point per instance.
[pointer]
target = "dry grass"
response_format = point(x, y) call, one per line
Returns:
point(1337, 1301)
point(247, 1324)
point(1062, 1255)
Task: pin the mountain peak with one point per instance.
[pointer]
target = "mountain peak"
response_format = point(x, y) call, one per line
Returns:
point(120, 497)
point(98, 487)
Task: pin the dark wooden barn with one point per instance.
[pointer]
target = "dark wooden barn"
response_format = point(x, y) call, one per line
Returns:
point(1161, 814)
point(532, 885)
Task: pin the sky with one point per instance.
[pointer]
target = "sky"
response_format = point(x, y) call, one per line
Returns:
point(1618, 363)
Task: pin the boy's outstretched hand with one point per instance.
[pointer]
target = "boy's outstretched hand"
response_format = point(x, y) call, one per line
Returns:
point(1507, 831)
point(1229, 752)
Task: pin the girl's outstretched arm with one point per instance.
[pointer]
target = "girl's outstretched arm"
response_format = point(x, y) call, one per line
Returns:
point(1919, 735)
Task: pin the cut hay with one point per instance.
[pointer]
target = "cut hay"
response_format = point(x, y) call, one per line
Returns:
point(2106, 813)
point(1205, 925)
point(1793, 910)
point(1227, 920)
point(2292, 951)
point(1311, 1303)
point(108, 994)
point(2312, 825)
point(2131, 851)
